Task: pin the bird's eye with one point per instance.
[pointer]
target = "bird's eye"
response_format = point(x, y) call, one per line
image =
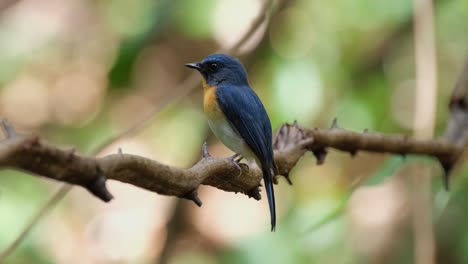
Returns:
point(213, 66)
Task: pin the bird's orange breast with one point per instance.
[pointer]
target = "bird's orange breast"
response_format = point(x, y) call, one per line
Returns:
point(210, 102)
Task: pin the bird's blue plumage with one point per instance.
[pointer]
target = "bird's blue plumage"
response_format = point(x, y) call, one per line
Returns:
point(248, 117)
point(244, 121)
point(245, 112)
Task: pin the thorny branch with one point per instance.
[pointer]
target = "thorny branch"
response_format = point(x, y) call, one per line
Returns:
point(29, 153)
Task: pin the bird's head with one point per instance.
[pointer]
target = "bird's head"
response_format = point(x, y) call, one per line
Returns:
point(220, 68)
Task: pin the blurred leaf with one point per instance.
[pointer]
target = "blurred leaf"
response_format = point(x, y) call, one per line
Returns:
point(154, 16)
point(458, 187)
point(450, 218)
point(354, 114)
point(298, 90)
point(177, 130)
point(84, 138)
point(20, 196)
point(389, 168)
point(195, 17)
point(386, 170)
point(335, 213)
point(28, 253)
point(193, 258)
point(266, 248)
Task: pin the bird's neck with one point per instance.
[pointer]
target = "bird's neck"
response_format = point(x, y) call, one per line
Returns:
point(207, 87)
point(210, 103)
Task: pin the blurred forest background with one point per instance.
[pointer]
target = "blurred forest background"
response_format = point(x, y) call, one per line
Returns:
point(78, 72)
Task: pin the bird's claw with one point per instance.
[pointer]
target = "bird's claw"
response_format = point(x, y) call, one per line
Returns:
point(235, 159)
point(239, 158)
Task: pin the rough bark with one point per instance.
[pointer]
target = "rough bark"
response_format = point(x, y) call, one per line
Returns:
point(291, 142)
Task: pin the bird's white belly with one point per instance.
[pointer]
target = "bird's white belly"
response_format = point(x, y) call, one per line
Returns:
point(224, 132)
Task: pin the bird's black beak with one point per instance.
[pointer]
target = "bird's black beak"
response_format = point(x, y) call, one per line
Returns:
point(194, 65)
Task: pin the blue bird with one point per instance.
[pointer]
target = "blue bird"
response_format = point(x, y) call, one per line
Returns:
point(237, 116)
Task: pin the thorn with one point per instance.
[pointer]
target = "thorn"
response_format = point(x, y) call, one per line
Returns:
point(205, 152)
point(33, 142)
point(365, 130)
point(254, 193)
point(193, 196)
point(288, 179)
point(295, 122)
point(239, 158)
point(353, 152)
point(71, 154)
point(446, 180)
point(8, 128)
point(447, 167)
point(334, 124)
point(320, 154)
point(119, 151)
point(99, 189)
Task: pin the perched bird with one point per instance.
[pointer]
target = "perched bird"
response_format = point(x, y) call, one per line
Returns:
point(237, 117)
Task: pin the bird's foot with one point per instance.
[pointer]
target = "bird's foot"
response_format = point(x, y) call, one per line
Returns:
point(235, 159)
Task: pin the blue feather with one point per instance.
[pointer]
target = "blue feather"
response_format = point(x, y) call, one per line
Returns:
point(246, 114)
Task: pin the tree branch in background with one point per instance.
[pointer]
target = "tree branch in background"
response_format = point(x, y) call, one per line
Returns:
point(425, 101)
point(30, 154)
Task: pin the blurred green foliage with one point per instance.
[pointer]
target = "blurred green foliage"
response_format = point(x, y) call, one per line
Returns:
point(318, 60)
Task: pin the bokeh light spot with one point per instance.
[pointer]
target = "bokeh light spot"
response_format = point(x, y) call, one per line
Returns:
point(355, 115)
point(298, 91)
point(130, 18)
point(290, 33)
point(76, 97)
point(232, 19)
point(25, 101)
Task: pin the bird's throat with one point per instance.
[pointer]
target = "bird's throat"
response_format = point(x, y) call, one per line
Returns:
point(210, 103)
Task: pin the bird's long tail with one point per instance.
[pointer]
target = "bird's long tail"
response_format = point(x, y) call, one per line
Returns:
point(268, 179)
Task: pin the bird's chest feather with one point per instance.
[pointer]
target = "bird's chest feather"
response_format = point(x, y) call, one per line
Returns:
point(219, 124)
point(210, 104)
